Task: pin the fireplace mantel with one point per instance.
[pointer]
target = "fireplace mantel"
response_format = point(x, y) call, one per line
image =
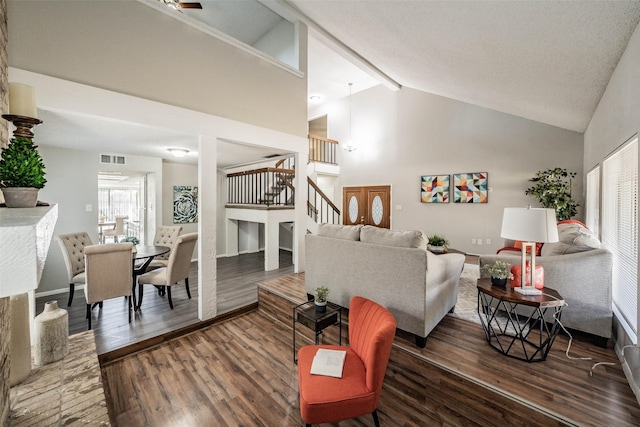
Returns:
point(25, 236)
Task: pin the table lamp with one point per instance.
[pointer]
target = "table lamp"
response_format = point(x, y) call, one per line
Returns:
point(529, 225)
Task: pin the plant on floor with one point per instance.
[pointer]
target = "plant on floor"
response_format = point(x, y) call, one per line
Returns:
point(552, 188)
point(498, 270)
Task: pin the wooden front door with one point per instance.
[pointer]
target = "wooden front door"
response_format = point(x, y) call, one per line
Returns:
point(367, 206)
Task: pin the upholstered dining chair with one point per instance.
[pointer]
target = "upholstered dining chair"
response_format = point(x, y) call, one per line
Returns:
point(108, 271)
point(166, 235)
point(176, 270)
point(325, 399)
point(72, 246)
point(118, 230)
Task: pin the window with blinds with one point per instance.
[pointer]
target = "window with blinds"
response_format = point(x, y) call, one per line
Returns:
point(620, 230)
point(592, 204)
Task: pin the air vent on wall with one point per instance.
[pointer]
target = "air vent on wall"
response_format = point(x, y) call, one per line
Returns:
point(116, 160)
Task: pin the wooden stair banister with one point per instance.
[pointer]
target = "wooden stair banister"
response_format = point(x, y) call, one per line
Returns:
point(335, 212)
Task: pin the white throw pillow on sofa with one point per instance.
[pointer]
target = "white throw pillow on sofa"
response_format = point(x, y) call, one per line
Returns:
point(572, 238)
point(347, 232)
point(383, 236)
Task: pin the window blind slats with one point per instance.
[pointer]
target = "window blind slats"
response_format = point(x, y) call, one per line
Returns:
point(620, 228)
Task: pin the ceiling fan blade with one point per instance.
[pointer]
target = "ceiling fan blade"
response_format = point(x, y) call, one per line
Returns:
point(190, 5)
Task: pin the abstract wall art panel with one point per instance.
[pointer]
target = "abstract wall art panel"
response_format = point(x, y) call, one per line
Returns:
point(470, 187)
point(185, 204)
point(434, 189)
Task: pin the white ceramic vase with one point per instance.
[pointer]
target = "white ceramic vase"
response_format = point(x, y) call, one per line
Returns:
point(52, 334)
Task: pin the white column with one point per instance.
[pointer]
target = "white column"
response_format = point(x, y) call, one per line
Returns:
point(272, 244)
point(207, 203)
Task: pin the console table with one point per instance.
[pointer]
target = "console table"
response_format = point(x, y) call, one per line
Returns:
point(515, 324)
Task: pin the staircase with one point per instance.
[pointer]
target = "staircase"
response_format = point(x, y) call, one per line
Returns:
point(273, 186)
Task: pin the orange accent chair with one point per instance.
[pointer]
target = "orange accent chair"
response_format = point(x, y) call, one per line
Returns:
point(325, 399)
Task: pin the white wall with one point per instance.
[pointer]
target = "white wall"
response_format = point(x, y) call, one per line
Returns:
point(177, 174)
point(129, 47)
point(72, 183)
point(406, 134)
point(616, 119)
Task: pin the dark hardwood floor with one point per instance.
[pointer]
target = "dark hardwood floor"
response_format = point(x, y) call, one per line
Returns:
point(237, 279)
point(239, 372)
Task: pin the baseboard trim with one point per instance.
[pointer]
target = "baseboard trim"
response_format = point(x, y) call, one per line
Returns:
point(57, 291)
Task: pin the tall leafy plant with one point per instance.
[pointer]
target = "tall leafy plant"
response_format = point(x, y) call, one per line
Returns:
point(552, 188)
point(21, 165)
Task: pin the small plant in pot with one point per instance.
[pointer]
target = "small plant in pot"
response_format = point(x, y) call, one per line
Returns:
point(133, 240)
point(437, 244)
point(499, 271)
point(21, 173)
point(320, 300)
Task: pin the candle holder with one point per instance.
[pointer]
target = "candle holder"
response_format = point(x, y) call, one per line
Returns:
point(23, 125)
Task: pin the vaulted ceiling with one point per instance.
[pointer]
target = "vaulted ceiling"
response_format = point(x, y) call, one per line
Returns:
point(548, 61)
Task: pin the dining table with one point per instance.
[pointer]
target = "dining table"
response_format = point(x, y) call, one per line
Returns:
point(142, 257)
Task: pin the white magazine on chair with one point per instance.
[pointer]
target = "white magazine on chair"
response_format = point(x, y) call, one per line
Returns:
point(328, 362)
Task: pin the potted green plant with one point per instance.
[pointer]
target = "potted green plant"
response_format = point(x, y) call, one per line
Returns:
point(21, 173)
point(552, 188)
point(133, 240)
point(320, 300)
point(499, 271)
point(437, 244)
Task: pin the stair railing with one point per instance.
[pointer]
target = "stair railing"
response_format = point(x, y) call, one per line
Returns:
point(264, 186)
point(319, 207)
point(322, 150)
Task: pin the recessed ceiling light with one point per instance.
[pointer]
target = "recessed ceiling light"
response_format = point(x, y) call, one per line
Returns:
point(178, 152)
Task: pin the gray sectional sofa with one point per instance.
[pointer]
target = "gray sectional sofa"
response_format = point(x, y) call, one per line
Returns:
point(390, 267)
point(580, 270)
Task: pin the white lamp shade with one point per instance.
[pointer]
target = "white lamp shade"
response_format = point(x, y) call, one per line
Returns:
point(529, 225)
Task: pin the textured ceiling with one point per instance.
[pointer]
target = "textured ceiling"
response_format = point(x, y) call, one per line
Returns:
point(542, 60)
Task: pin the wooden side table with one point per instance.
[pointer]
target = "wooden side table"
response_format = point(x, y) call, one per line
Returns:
point(317, 321)
point(513, 330)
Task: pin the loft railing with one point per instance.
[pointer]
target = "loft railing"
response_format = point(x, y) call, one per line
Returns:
point(265, 186)
point(322, 150)
point(319, 207)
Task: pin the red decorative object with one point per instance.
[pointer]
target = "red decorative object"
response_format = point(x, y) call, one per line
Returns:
point(518, 246)
point(516, 282)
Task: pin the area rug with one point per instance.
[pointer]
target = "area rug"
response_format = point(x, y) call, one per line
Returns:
point(467, 305)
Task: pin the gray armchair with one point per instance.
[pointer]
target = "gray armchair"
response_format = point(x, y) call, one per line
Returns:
point(581, 271)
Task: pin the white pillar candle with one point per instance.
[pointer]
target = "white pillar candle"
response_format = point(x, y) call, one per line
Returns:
point(22, 100)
